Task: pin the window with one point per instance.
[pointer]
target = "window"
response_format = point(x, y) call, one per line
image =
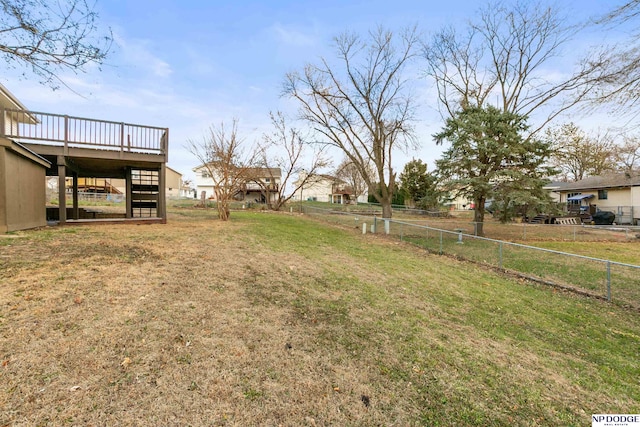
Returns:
point(267, 180)
point(205, 174)
point(573, 202)
point(602, 194)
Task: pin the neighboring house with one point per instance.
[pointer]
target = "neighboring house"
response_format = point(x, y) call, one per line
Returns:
point(260, 184)
point(553, 188)
point(615, 192)
point(325, 188)
point(97, 185)
point(173, 184)
point(187, 190)
point(460, 203)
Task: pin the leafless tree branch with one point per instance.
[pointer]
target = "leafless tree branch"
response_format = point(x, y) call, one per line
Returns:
point(362, 105)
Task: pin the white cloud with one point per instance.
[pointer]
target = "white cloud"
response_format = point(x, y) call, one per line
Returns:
point(138, 53)
point(292, 37)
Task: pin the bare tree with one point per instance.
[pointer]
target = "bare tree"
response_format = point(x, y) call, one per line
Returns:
point(221, 154)
point(628, 154)
point(577, 155)
point(500, 60)
point(286, 150)
point(362, 106)
point(618, 82)
point(351, 175)
point(51, 36)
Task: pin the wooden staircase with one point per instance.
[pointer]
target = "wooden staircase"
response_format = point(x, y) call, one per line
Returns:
point(145, 191)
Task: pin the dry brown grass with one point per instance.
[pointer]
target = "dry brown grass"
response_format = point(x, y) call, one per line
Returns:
point(161, 325)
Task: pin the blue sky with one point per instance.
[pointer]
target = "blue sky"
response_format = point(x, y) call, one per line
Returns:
point(189, 64)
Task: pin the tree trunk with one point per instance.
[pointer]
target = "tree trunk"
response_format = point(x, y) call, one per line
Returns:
point(386, 208)
point(223, 211)
point(385, 198)
point(478, 216)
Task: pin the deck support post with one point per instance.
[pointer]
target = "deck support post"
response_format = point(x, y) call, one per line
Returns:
point(128, 191)
point(76, 213)
point(62, 194)
point(161, 207)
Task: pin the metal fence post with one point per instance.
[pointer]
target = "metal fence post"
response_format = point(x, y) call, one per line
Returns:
point(500, 255)
point(524, 231)
point(574, 233)
point(441, 251)
point(609, 281)
point(401, 232)
point(375, 223)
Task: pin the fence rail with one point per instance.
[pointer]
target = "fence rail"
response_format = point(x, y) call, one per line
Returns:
point(32, 126)
point(610, 280)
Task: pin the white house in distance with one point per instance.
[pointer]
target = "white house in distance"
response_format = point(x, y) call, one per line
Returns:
point(259, 184)
point(326, 188)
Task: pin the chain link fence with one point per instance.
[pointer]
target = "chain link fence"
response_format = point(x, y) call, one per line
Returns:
point(520, 231)
point(613, 281)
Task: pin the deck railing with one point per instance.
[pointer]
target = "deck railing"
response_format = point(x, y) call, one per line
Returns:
point(56, 129)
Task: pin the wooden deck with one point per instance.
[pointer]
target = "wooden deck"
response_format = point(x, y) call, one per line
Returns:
point(91, 148)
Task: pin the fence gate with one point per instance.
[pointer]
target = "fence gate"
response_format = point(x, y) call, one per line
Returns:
point(624, 215)
point(144, 193)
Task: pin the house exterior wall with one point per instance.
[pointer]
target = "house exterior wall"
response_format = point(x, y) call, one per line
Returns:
point(205, 183)
point(318, 190)
point(624, 202)
point(460, 203)
point(615, 197)
point(635, 204)
point(22, 191)
point(324, 188)
point(174, 183)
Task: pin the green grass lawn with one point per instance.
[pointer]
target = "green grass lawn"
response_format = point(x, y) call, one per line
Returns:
point(470, 347)
point(624, 252)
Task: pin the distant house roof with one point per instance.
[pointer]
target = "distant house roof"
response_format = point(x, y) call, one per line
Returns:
point(264, 172)
point(174, 171)
point(325, 177)
point(612, 180)
point(254, 172)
